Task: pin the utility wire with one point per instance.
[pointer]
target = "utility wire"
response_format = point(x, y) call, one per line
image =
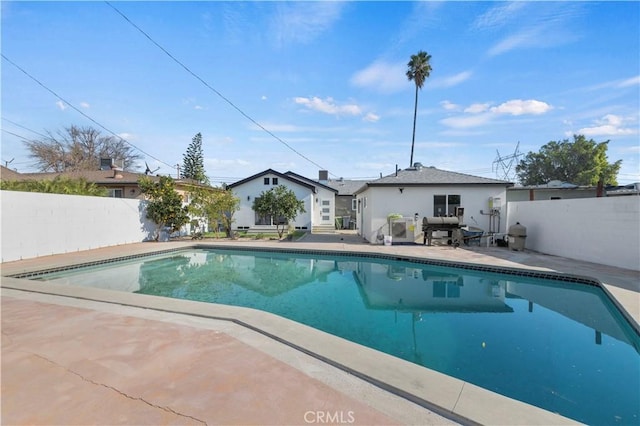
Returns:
point(23, 127)
point(197, 77)
point(81, 112)
point(14, 134)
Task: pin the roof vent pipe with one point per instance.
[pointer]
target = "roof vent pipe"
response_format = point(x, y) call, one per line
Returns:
point(396, 170)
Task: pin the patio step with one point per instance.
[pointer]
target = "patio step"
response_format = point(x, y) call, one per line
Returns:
point(323, 229)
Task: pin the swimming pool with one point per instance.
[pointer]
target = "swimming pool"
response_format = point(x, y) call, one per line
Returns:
point(555, 344)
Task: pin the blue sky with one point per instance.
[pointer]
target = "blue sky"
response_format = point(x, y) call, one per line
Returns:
point(327, 80)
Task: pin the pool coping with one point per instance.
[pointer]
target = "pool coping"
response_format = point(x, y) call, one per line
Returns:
point(447, 396)
point(450, 397)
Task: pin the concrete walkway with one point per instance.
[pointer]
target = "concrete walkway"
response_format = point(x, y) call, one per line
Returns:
point(89, 356)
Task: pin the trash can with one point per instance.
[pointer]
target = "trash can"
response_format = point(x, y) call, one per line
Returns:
point(517, 235)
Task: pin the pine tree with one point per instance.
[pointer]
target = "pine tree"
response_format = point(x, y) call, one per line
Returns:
point(193, 161)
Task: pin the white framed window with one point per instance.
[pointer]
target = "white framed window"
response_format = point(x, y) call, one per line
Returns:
point(116, 193)
point(354, 204)
point(445, 205)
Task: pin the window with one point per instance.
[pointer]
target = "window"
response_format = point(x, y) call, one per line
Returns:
point(445, 205)
point(453, 201)
point(263, 220)
point(274, 181)
point(266, 181)
point(439, 205)
point(354, 205)
point(116, 193)
point(446, 289)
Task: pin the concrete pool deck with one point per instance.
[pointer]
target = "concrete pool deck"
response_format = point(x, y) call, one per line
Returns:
point(74, 355)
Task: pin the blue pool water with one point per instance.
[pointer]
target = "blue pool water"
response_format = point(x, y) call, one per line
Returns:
point(558, 345)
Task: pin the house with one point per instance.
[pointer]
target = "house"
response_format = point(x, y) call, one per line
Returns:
point(419, 191)
point(554, 190)
point(346, 206)
point(558, 190)
point(318, 201)
point(119, 184)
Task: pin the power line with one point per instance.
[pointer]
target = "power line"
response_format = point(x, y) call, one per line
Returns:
point(14, 134)
point(197, 77)
point(81, 112)
point(23, 127)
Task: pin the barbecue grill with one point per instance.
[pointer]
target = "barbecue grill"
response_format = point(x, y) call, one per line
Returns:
point(450, 224)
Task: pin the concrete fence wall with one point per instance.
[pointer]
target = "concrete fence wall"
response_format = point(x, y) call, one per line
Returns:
point(36, 224)
point(601, 230)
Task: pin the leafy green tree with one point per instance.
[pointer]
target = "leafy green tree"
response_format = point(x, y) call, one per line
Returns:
point(193, 161)
point(581, 162)
point(217, 205)
point(419, 69)
point(58, 185)
point(79, 148)
point(280, 205)
point(164, 205)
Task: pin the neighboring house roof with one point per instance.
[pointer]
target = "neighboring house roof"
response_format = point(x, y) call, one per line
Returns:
point(346, 187)
point(273, 172)
point(554, 184)
point(429, 176)
point(310, 181)
point(8, 174)
point(630, 189)
point(99, 177)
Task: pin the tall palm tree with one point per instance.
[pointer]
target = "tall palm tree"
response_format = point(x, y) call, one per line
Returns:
point(418, 71)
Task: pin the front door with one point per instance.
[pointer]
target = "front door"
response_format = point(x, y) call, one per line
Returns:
point(326, 216)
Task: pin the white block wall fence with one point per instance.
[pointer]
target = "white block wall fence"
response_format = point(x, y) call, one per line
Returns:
point(601, 230)
point(36, 224)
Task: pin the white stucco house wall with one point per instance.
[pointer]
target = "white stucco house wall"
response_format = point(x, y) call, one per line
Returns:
point(318, 201)
point(420, 191)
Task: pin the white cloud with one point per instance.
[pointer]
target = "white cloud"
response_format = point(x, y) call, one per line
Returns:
point(302, 22)
point(545, 25)
point(85, 105)
point(609, 125)
point(466, 121)
point(126, 136)
point(61, 105)
point(479, 114)
point(520, 107)
point(263, 98)
point(197, 107)
point(328, 106)
point(498, 16)
point(476, 108)
point(383, 77)
point(633, 81)
point(525, 38)
point(449, 106)
point(452, 80)
point(371, 117)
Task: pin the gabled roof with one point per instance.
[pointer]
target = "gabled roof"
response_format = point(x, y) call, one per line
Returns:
point(310, 181)
point(345, 186)
point(273, 172)
point(430, 176)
